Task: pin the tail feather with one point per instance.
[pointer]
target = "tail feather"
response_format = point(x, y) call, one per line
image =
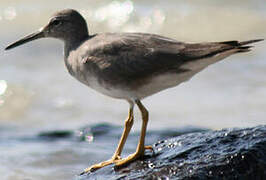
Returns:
point(244, 49)
point(209, 53)
point(240, 46)
point(250, 41)
point(237, 43)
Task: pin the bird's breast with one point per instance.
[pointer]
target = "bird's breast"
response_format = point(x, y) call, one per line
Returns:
point(87, 75)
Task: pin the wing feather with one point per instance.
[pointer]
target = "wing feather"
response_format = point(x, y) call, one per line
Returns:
point(129, 57)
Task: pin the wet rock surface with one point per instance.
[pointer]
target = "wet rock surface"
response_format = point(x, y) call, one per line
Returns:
point(185, 153)
point(224, 154)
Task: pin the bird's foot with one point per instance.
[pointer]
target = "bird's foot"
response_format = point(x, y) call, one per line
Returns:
point(117, 160)
point(102, 164)
point(132, 157)
point(127, 160)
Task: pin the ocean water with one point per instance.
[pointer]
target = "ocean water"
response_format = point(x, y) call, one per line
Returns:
point(37, 93)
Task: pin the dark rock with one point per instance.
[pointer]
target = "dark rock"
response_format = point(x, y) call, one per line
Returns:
point(224, 154)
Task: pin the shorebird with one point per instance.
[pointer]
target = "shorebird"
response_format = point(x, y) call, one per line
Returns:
point(129, 66)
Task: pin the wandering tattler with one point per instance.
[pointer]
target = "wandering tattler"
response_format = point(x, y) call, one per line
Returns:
point(129, 66)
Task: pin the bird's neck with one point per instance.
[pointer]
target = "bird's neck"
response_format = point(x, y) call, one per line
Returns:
point(73, 43)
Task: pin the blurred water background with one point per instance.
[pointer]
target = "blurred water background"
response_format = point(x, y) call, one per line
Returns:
point(37, 93)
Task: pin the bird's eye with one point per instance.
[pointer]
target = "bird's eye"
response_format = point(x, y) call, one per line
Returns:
point(56, 22)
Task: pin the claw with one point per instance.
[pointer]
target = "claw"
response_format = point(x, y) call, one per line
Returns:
point(149, 148)
point(102, 164)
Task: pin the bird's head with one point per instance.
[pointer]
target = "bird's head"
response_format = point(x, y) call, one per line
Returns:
point(67, 25)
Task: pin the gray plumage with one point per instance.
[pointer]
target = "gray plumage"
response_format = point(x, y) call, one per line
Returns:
point(129, 62)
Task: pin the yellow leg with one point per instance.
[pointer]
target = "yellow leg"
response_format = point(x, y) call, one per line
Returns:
point(140, 148)
point(128, 125)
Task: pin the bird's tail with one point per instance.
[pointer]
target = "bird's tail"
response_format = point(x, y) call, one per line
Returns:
point(241, 46)
point(250, 41)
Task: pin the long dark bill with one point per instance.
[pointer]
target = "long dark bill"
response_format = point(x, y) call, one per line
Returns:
point(30, 37)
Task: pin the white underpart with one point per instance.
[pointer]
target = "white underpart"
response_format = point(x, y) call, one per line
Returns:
point(105, 89)
point(167, 80)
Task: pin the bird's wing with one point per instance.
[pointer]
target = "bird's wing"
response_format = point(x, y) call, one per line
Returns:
point(130, 56)
point(133, 55)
